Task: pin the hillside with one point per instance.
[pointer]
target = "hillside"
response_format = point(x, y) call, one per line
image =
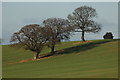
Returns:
point(93, 59)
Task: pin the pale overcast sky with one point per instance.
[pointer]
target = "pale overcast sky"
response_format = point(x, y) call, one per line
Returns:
point(17, 14)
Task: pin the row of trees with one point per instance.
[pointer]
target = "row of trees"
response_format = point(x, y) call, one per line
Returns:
point(34, 37)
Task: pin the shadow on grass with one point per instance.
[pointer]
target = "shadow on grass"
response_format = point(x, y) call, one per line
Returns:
point(78, 48)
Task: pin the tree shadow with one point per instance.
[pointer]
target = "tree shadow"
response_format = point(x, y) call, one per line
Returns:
point(78, 48)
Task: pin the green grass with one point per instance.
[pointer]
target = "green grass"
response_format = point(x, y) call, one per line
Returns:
point(97, 59)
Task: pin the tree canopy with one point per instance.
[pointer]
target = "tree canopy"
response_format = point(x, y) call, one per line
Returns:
point(32, 37)
point(57, 30)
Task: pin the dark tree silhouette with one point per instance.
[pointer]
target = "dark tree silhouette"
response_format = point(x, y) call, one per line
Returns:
point(57, 29)
point(108, 35)
point(31, 37)
point(82, 20)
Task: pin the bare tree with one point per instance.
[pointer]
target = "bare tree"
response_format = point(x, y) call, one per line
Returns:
point(82, 20)
point(31, 37)
point(57, 30)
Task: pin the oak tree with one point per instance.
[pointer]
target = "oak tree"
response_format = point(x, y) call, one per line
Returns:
point(82, 19)
point(31, 37)
point(57, 30)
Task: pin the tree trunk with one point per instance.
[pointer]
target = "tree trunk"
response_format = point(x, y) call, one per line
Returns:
point(52, 49)
point(36, 55)
point(83, 33)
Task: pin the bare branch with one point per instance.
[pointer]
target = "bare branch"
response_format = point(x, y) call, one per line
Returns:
point(58, 29)
point(32, 37)
point(82, 18)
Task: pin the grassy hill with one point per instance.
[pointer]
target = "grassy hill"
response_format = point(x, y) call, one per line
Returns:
point(93, 59)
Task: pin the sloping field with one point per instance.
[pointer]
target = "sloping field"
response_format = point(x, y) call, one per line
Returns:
point(93, 59)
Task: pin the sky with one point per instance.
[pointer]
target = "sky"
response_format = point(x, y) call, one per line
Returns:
point(15, 15)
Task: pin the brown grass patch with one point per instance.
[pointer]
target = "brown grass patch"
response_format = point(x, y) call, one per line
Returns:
point(81, 42)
